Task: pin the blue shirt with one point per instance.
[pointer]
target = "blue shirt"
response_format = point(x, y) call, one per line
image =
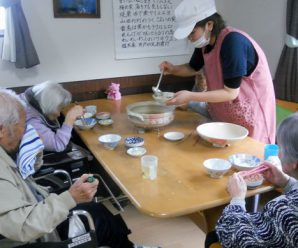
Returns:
point(238, 58)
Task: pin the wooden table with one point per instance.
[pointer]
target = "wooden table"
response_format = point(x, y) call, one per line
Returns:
point(182, 186)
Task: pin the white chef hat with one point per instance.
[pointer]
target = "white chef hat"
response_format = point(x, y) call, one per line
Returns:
point(189, 12)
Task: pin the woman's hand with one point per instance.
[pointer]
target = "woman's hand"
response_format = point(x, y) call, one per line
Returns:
point(167, 67)
point(237, 186)
point(73, 114)
point(275, 175)
point(180, 98)
point(82, 191)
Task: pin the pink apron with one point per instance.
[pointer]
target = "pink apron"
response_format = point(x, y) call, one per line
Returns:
point(254, 108)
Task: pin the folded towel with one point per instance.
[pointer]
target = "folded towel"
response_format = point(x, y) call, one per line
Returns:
point(30, 146)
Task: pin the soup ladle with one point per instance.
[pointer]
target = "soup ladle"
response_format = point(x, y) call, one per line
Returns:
point(156, 89)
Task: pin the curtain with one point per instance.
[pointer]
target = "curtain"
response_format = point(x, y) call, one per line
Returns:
point(17, 44)
point(286, 77)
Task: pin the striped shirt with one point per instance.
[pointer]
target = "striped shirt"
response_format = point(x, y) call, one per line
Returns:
point(275, 226)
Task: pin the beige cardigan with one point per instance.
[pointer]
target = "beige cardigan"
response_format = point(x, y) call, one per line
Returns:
point(22, 218)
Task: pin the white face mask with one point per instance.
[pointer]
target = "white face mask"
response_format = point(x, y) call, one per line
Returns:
point(201, 42)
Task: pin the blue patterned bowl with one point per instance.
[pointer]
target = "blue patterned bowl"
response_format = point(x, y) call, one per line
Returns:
point(88, 123)
point(134, 141)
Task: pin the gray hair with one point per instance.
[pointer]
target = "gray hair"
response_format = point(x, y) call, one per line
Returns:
point(51, 96)
point(287, 138)
point(10, 107)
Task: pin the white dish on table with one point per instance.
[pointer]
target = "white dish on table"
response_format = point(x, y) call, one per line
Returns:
point(173, 136)
point(136, 151)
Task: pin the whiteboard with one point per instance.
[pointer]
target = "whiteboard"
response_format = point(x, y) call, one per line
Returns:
point(145, 28)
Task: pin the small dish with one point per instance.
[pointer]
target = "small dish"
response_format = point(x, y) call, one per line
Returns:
point(174, 136)
point(134, 141)
point(103, 115)
point(105, 122)
point(136, 151)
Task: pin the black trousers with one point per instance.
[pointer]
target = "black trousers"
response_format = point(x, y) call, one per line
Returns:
point(111, 230)
point(211, 238)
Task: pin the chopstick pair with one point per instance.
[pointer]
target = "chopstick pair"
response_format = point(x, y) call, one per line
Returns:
point(257, 170)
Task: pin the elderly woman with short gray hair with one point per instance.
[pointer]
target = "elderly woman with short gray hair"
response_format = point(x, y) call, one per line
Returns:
point(277, 224)
point(44, 104)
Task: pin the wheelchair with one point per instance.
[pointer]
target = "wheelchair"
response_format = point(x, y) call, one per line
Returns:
point(75, 161)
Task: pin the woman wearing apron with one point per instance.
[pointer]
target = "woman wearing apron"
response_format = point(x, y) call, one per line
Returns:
point(239, 84)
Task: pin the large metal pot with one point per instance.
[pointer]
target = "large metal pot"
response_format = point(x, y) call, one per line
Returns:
point(150, 114)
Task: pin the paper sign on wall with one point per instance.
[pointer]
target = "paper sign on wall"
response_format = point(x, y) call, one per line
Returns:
point(144, 28)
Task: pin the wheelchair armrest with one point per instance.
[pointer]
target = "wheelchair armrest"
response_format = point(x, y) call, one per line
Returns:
point(54, 182)
point(87, 215)
point(56, 172)
point(109, 190)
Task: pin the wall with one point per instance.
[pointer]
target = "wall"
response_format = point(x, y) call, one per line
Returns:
point(83, 49)
point(264, 20)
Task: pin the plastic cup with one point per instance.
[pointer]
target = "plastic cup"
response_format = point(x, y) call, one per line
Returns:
point(149, 165)
point(270, 150)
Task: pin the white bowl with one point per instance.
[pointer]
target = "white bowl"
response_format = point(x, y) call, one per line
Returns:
point(216, 167)
point(221, 134)
point(109, 141)
point(89, 123)
point(162, 97)
point(242, 161)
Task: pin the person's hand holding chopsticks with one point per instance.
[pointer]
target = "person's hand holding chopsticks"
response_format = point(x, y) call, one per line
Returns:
point(275, 175)
point(237, 186)
point(75, 112)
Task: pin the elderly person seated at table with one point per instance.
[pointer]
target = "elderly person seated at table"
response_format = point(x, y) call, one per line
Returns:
point(27, 211)
point(277, 224)
point(44, 103)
